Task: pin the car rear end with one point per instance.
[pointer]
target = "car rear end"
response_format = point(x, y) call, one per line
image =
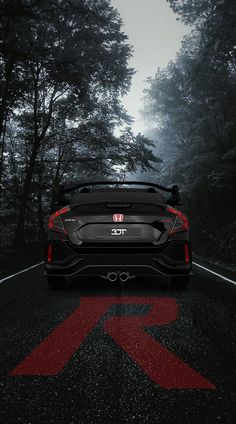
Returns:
point(117, 235)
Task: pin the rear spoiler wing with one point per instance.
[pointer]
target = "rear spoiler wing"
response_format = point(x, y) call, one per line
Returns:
point(174, 190)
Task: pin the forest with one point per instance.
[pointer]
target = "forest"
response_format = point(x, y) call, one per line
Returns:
point(63, 71)
point(64, 67)
point(190, 107)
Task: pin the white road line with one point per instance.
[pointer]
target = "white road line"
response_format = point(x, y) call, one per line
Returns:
point(20, 272)
point(215, 273)
point(40, 263)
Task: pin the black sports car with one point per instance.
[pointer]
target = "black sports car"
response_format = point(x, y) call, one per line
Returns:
point(118, 232)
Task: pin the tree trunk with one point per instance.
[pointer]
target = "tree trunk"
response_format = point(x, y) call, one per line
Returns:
point(20, 229)
point(56, 183)
point(41, 229)
point(2, 152)
point(6, 94)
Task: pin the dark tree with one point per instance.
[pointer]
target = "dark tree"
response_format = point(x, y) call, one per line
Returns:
point(192, 104)
point(64, 67)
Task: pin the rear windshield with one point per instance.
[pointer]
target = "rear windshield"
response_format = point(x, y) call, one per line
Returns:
point(134, 209)
point(127, 197)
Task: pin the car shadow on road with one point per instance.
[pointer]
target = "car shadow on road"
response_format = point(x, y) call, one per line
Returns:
point(96, 286)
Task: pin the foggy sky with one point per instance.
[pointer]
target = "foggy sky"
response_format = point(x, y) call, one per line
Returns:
point(156, 37)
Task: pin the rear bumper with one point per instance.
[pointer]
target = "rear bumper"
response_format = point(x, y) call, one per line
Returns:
point(97, 261)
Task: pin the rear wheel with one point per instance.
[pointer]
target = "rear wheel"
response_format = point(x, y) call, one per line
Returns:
point(56, 282)
point(180, 281)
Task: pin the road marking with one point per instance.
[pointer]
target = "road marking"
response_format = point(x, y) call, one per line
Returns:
point(40, 263)
point(161, 365)
point(20, 272)
point(215, 273)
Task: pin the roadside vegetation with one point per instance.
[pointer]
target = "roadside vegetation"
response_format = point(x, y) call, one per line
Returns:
point(63, 71)
point(190, 107)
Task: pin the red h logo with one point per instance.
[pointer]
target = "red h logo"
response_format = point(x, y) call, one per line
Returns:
point(118, 217)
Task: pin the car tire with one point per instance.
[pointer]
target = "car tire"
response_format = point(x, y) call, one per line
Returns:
point(56, 282)
point(180, 281)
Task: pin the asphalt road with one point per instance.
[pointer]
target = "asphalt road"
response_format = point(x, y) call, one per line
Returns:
point(108, 353)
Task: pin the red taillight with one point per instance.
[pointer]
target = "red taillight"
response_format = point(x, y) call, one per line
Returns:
point(186, 253)
point(49, 253)
point(54, 222)
point(181, 221)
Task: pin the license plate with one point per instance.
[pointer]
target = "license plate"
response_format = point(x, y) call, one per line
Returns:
point(118, 232)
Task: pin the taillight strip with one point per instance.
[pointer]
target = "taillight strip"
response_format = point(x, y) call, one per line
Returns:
point(51, 224)
point(49, 253)
point(184, 226)
point(186, 253)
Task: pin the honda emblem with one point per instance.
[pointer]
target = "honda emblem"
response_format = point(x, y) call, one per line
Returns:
point(118, 217)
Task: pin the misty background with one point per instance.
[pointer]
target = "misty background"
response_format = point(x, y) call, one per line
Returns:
point(74, 75)
point(155, 35)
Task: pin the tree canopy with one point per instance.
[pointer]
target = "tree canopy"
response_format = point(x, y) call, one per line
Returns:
point(64, 69)
point(191, 109)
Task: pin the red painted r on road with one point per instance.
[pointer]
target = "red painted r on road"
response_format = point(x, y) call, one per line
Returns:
point(161, 365)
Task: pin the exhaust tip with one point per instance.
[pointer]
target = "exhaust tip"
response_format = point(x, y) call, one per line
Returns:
point(124, 276)
point(112, 276)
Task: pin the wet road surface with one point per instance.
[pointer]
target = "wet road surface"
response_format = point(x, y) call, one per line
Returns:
point(100, 352)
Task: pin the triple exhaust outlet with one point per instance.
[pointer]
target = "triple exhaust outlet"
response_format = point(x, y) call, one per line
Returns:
point(113, 276)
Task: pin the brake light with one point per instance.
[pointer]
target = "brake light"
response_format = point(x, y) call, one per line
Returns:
point(181, 221)
point(55, 223)
point(186, 253)
point(49, 253)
